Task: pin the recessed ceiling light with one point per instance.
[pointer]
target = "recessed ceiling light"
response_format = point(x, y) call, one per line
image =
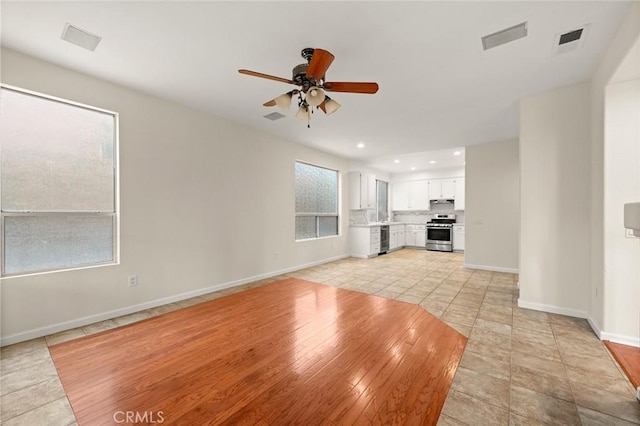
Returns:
point(432, 162)
point(457, 153)
point(360, 145)
point(413, 168)
point(396, 161)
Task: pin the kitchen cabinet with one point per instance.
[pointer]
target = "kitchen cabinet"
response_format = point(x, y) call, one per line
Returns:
point(396, 237)
point(442, 189)
point(362, 188)
point(401, 237)
point(410, 196)
point(458, 237)
point(393, 240)
point(415, 236)
point(364, 241)
point(458, 203)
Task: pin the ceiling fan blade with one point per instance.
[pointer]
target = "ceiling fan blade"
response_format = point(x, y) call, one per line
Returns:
point(270, 103)
point(267, 76)
point(319, 64)
point(334, 86)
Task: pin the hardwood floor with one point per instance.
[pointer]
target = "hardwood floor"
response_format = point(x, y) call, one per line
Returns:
point(288, 352)
point(629, 359)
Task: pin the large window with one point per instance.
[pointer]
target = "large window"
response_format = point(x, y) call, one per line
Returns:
point(316, 201)
point(58, 190)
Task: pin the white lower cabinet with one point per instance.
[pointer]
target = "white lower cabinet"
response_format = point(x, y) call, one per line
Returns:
point(364, 241)
point(396, 237)
point(458, 237)
point(415, 236)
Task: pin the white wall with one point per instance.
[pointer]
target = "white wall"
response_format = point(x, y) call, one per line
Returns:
point(204, 203)
point(555, 200)
point(600, 305)
point(621, 185)
point(492, 206)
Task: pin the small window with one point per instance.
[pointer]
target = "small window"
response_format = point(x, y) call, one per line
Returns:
point(316, 201)
point(58, 190)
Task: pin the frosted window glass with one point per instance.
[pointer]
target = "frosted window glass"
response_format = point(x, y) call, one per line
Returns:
point(316, 193)
point(316, 189)
point(305, 227)
point(328, 226)
point(34, 243)
point(55, 156)
point(383, 192)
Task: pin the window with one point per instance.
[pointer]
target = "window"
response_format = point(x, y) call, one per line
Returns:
point(383, 201)
point(58, 188)
point(316, 201)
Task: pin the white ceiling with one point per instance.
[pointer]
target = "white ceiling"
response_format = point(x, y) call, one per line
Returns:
point(438, 88)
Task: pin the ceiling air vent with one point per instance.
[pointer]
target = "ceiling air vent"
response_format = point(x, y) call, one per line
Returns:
point(274, 116)
point(504, 36)
point(571, 40)
point(570, 36)
point(80, 37)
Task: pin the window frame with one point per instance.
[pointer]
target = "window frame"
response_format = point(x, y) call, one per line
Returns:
point(115, 214)
point(317, 215)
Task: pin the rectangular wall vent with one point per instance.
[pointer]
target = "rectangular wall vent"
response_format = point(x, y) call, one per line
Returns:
point(274, 116)
point(80, 37)
point(504, 36)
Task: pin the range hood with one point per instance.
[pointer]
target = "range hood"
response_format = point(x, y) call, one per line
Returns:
point(442, 201)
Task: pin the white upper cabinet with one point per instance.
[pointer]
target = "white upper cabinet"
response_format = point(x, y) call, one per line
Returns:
point(442, 189)
point(458, 202)
point(410, 196)
point(362, 191)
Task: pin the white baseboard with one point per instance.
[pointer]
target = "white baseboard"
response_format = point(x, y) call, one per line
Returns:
point(551, 309)
point(594, 327)
point(492, 268)
point(618, 338)
point(80, 322)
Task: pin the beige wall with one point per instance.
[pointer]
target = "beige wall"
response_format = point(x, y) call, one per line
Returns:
point(205, 203)
point(555, 200)
point(492, 206)
point(621, 185)
point(600, 305)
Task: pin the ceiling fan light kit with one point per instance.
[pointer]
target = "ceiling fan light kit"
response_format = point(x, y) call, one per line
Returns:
point(310, 77)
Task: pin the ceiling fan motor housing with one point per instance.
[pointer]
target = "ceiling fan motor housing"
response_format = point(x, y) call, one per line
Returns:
point(300, 77)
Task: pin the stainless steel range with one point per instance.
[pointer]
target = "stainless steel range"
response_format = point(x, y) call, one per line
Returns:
point(440, 232)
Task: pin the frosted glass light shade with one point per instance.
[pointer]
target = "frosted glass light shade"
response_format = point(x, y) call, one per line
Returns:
point(331, 106)
point(284, 101)
point(315, 96)
point(303, 113)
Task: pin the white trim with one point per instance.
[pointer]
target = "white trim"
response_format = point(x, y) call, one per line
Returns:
point(551, 309)
point(492, 268)
point(80, 322)
point(594, 327)
point(618, 338)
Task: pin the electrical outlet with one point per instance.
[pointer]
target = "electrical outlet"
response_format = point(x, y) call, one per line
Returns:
point(133, 280)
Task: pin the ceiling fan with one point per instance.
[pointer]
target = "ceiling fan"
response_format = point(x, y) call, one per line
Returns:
point(310, 78)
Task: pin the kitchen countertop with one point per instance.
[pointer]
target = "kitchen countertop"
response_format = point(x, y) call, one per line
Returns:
point(370, 225)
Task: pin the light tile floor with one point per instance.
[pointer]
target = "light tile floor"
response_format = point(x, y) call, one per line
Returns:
point(520, 367)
